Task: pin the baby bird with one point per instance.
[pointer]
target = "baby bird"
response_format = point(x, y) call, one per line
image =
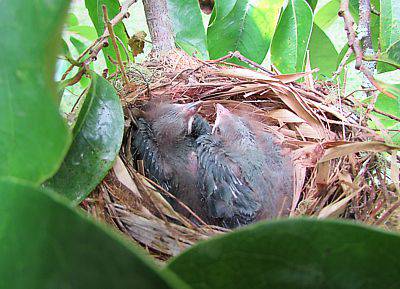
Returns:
point(166, 141)
point(244, 176)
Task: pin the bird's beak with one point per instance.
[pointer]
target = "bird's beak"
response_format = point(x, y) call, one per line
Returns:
point(221, 111)
point(192, 109)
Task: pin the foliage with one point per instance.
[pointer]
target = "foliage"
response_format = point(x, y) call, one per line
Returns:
point(302, 253)
point(97, 138)
point(33, 137)
point(46, 242)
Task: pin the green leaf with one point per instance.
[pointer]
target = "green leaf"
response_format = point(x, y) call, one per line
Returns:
point(188, 25)
point(248, 28)
point(327, 14)
point(312, 3)
point(47, 244)
point(291, 38)
point(79, 45)
point(322, 52)
point(87, 32)
point(72, 20)
point(221, 9)
point(94, 8)
point(98, 136)
point(296, 253)
point(33, 136)
point(392, 56)
point(342, 53)
point(390, 23)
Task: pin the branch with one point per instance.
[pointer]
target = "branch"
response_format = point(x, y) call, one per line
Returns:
point(101, 42)
point(114, 42)
point(354, 43)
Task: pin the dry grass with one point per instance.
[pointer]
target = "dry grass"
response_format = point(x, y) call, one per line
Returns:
point(342, 167)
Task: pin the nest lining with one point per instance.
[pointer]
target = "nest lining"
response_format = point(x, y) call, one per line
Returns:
point(339, 167)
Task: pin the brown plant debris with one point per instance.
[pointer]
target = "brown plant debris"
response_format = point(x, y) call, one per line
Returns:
point(341, 166)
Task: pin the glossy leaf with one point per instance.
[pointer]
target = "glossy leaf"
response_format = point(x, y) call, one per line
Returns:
point(393, 54)
point(188, 26)
point(98, 136)
point(72, 20)
point(389, 35)
point(312, 3)
point(221, 9)
point(33, 136)
point(248, 28)
point(296, 253)
point(47, 244)
point(327, 14)
point(390, 23)
point(292, 36)
point(87, 32)
point(322, 53)
point(94, 8)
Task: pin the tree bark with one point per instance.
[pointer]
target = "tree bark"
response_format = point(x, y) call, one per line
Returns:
point(364, 35)
point(159, 24)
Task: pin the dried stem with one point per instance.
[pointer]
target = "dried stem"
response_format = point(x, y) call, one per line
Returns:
point(101, 42)
point(114, 42)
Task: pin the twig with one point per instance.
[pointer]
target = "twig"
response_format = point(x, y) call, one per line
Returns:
point(101, 42)
point(344, 12)
point(239, 56)
point(114, 42)
point(387, 214)
point(354, 43)
point(346, 57)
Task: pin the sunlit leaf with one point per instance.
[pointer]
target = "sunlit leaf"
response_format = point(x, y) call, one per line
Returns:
point(322, 53)
point(94, 8)
point(188, 25)
point(292, 36)
point(248, 28)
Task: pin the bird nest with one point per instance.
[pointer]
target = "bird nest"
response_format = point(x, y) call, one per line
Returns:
point(342, 167)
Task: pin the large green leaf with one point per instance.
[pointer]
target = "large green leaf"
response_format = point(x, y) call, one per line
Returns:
point(390, 23)
point(291, 38)
point(85, 31)
point(248, 28)
point(322, 53)
point(188, 26)
point(221, 9)
point(312, 3)
point(389, 34)
point(95, 10)
point(328, 13)
point(98, 136)
point(33, 136)
point(297, 253)
point(47, 244)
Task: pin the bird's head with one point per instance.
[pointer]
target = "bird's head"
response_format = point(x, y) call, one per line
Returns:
point(230, 127)
point(171, 121)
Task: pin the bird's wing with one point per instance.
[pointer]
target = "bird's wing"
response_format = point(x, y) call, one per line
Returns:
point(144, 146)
point(228, 197)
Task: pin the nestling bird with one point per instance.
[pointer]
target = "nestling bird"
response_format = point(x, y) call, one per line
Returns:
point(244, 174)
point(166, 141)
